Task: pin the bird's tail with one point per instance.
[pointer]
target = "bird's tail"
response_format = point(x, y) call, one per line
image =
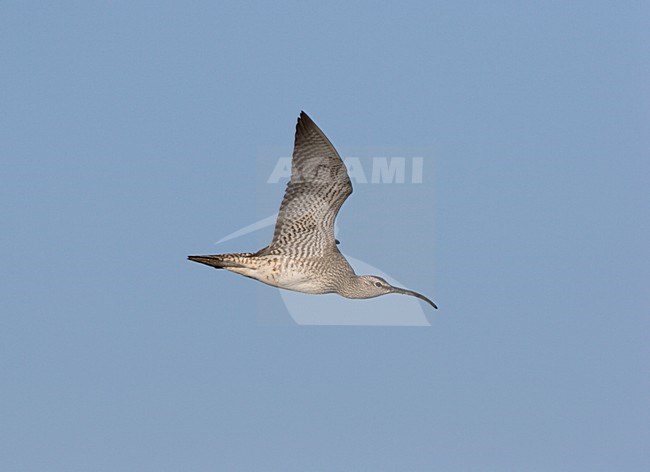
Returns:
point(223, 261)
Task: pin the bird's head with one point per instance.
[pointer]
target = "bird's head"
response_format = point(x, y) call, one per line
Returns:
point(374, 286)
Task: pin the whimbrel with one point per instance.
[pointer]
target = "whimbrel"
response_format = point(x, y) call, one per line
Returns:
point(303, 255)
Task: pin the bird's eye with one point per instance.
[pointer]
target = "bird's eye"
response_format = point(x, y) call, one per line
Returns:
point(377, 284)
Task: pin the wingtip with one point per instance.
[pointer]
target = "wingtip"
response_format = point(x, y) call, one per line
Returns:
point(305, 117)
point(304, 122)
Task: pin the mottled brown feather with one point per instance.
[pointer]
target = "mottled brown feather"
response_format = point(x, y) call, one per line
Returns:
point(318, 187)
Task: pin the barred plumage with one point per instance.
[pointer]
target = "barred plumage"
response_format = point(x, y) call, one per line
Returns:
point(303, 255)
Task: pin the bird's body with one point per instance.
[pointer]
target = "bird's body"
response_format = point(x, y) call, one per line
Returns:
point(303, 255)
point(314, 275)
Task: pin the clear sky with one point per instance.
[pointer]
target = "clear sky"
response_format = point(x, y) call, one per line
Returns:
point(133, 134)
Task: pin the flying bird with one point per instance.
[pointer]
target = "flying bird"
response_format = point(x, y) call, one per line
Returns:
point(303, 255)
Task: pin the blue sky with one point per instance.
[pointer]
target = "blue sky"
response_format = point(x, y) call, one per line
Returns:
point(132, 136)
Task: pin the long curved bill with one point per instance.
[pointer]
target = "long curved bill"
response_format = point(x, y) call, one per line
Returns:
point(404, 291)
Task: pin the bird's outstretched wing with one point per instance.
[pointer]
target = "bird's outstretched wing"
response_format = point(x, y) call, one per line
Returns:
point(318, 187)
